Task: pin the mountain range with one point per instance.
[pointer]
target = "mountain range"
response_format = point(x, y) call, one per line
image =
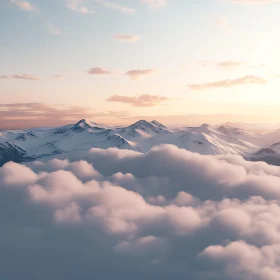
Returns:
point(43, 143)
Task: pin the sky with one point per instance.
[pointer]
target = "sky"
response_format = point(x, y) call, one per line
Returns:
point(178, 61)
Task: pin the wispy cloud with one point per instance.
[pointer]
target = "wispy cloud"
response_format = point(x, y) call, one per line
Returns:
point(155, 3)
point(26, 115)
point(136, 73)
point(276, 76)
point(98, 71)
point(119, 8)
point(77, 6)
point(127, 38)
point(54, 30)
point(229, 64)
point(221, 21)
point(144, 100)
point(24, 5)
point(21, 76)
point(246, 80)
point(254, 1)
point(26, 77)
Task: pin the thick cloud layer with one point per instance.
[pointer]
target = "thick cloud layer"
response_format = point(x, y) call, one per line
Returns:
point(126, 215)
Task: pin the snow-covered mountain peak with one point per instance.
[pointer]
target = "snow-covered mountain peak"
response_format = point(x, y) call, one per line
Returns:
point(204, 128)
point(141, 123)
point(229, 130)
point(156, 123)
point(22, 145)
point(81, 125)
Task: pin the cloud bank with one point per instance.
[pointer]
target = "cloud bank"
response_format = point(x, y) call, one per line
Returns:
point(164, 213)
point(30, 115)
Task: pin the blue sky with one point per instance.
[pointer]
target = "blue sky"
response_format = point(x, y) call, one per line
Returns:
point(201, 42)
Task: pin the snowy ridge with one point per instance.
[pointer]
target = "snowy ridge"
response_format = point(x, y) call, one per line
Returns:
point(140, 136)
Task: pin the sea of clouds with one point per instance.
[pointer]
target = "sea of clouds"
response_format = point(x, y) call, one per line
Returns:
point(119, 214)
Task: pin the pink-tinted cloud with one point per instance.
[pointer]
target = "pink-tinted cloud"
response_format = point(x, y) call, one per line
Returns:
point(254, 1)
point(21, 76)
point(222, 21)
point(135, 74)
point(24, 5)
point(144, 100)
point(98, 71)
point(117, 7)
point(26, 77)
point(155, 3)
point(229, 64)
point(246, 80)
point(127, 38)
point(26, 115)
point(77, 6)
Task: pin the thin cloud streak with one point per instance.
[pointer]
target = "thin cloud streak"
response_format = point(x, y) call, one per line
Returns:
point(155, 3)
point(226, 65)
point(136, 73)
point(144, 100)
point(229, 64)
point(254, 1)
point(246, 80)
point(127, 38)
point(26, 77)
point(28, 115)
point(113, 6)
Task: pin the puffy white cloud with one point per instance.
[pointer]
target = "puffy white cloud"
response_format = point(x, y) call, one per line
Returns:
point(166, 212)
